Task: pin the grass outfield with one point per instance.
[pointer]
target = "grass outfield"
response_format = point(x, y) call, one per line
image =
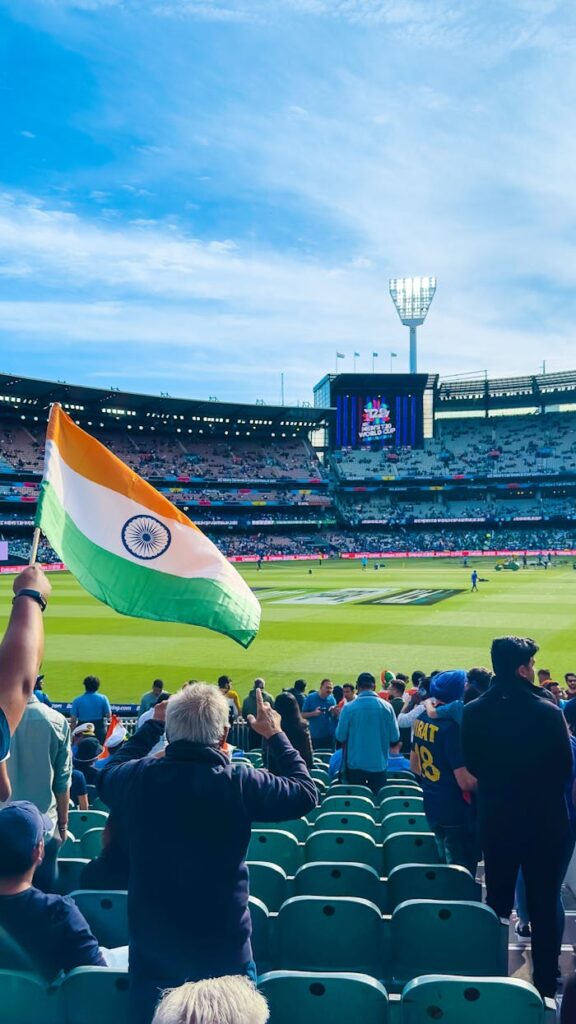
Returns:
point(314, 640)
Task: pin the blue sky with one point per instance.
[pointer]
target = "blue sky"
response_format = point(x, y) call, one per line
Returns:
point(198, 196)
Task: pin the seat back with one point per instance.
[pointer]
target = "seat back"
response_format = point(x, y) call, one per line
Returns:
point(342, 789)
point(91, 843)
point(106, 913)
point(408, 848)
point(454, 938)
point(298, 827)
point(268, 883)
point(431, 882)
point(80, 821)
point(344, 821)
point(70, 848)
point(401, 805)
point(330, 933)
point(95, 994)
point(401, 775)
point(314, 998)
point(398, 789)
point(342, 845)
point(276, 847)
point(344, 878)
point(409, 822)
point(346, 805)
point(472, 1001)
point(24, 999)
point(69, 872)
point(260, 931)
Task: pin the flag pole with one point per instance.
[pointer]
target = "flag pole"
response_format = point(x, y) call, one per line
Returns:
point(34, 548)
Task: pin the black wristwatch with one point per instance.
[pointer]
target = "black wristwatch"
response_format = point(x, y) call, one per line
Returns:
point(34, 594)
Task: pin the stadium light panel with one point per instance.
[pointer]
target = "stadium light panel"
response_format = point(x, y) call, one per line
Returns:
point(412, 297)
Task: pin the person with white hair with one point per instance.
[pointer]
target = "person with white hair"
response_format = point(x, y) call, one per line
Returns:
point(187, 818)
point(228, 1000)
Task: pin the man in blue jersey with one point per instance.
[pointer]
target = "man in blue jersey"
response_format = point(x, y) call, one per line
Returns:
point(446, 784)
point(21, 653)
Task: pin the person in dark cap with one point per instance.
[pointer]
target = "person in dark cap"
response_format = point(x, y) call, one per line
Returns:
point(516, 744)
point(48, 933)
point(446, 784)
point(86, 753)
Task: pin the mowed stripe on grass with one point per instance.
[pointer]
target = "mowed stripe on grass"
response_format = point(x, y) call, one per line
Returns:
point(313, 640)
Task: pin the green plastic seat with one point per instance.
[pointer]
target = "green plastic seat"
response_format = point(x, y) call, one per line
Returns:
point(298, 997)
point(474, 1001)
point(401, 805)
point(347, 805)
point(330, 933)
point(106, 913)
point(356, 822)
point(344, 878)
point(24, 999)
point(408, 848)
point(431, 882)
point(323, 756)
point(447, 937)
point(92, 995)
point(401, 775)
point(398, 789)
point(69, 871)
point(342, 845)
point(98, 805)
point(404, 823)
point(320, 775)
point(299, 828)
point(342, 789)
point(275, 847)
point(91, 843)
point(260, 932)
point(80, 821)
point(254, 756)
point(71, 848)
point(268, 884)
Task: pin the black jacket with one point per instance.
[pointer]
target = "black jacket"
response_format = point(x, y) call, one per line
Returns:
point(187, 817)
point(517, 745)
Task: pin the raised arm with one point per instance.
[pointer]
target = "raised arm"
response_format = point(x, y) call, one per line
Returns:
point(112, 778)
point(22, 648)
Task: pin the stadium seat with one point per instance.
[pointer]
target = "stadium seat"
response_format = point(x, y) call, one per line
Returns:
point(71, 847)
point(398, 789)
point(356, 822)
point(323, 757)
point(106, 913)
point(24, 999)
point(408, 848)
point(69, 871)
point(254, 756)
point(340, 789)
point(299, 828)
point(320, 775)
point(99, 805)
point(346, 804)
point(92, 995)
point(91, 843)
point(431, 882)
point(260, 932)
point(403, 823)
point(329, 878)
point(447, 937)
point(338, 845)
point(80, 821)
point(330, 933)
point(401, 776)
point(298, 997)
point(12, 956)
point(474, 1001)
point(276, 847)
point(268, 883)
point(401, 805)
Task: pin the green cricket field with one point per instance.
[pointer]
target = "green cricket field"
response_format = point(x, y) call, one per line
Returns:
point(332, 620)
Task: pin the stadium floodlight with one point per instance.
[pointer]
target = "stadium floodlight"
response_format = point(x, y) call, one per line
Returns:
point(412, 297)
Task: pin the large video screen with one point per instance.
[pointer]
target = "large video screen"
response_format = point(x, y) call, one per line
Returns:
point(379, 417)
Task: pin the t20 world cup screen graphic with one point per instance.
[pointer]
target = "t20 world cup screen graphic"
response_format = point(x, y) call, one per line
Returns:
point(379, 420)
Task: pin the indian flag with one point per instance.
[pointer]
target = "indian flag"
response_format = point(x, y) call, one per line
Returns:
point(129, 546)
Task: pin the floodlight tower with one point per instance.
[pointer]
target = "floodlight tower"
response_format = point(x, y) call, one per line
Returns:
point(412, 297)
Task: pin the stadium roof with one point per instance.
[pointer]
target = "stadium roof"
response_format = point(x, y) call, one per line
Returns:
point(24, 395)
point(535, 391)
